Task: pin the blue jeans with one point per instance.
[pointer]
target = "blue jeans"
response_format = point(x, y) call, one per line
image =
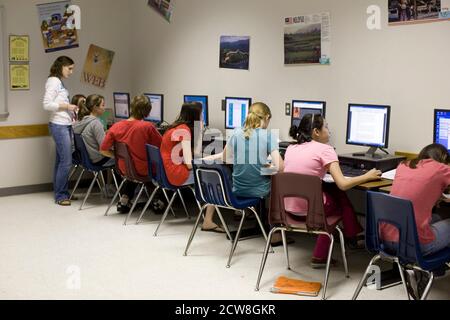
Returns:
point(62, 135)
point(441, 229)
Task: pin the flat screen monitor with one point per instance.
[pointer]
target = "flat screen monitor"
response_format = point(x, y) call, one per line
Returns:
point(300, 108)
point(121, 105)
point(236, 111)
point(368, 125)
point(157, 113)
point(203, 100)
point(442, 127)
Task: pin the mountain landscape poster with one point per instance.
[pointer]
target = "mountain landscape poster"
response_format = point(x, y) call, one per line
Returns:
point(234, 52)
point(307, 39)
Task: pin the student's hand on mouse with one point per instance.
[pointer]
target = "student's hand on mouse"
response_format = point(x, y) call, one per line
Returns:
point(373, 174)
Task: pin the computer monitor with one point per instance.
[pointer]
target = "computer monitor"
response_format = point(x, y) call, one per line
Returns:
point(121, 105)
point(236, 111)
point(442, 127)
point(157, 113)
point(203, 100)
point(300, 108)
point(368, 125)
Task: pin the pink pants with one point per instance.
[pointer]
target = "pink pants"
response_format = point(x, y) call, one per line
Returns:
point(337, 203)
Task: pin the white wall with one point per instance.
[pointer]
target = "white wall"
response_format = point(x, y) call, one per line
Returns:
point(405, 66)
point(104, 23)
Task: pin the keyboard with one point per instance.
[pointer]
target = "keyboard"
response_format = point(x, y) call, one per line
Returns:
point(348, 171)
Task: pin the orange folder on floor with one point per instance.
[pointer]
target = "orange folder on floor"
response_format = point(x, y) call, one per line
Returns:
point(293, 286)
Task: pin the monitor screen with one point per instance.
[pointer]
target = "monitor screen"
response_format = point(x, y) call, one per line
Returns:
point(157, 113)
point(300, 108)
point(203, 100)
point(368, 125)
point(236, 112)
point(442, 127)
point(121, 105)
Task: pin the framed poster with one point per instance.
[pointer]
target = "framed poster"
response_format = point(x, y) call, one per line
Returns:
point(53, 19)
point(19, 77)
point(19, 48)
point(417, 11)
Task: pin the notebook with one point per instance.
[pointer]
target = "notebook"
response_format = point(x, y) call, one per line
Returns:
point(294, 286)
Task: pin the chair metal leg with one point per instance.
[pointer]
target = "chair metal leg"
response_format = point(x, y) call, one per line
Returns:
point(402, 275)
point(89, 190)
point(76, 184)
point(184, 204)
point(115, 197)
point(344, 256)
point(194, 230)
point(72, 172)
point(104, 184)
point(195, 197)
point(165, 213)
point(364, 277)
point(167, 198)
point(147, 205)
point(134, 204)
point(235, 242)
point(286, 252)
point(115, 179)
point(264, 257)
point(327, 271)
point(261, 226)
point(222, 220)
point(428, 287)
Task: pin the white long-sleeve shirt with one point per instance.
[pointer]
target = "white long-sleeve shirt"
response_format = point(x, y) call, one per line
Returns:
point(55, 94)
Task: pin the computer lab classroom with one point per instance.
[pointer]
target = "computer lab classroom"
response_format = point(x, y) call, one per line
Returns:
point(339, 108)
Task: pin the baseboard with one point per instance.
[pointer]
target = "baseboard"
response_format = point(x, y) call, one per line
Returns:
point(46, 187)
point(14, 191)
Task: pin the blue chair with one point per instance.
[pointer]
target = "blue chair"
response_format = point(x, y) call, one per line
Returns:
point(76, 163)
point(384, 208)
point(159, 177)
point(213, 186)
point(87, 165)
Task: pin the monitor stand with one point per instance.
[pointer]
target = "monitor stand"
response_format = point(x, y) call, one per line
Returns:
point(371, 153)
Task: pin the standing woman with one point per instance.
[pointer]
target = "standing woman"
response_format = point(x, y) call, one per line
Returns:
point(63, 114)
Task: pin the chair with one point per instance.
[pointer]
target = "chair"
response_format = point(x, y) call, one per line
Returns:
point(87, 165)
point(213, 186)
point(76, 163)
point(384, 208)
point(158, 174)
point(122, 153)
point(293, 185)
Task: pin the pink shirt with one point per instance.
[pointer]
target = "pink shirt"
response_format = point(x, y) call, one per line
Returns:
point(423, 186)
point(311, 158)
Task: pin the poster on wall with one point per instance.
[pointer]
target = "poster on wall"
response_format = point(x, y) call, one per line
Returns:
point(234, 52)
point(417, 11)
point(19, 77)
point(97, 66)
point(19, 48)
point(53, 20)
point(307, 39)
point(163, 7)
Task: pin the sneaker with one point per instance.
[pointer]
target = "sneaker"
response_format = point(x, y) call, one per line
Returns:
point(355, 244)
point(158, 206)
point(411, 284)
point(321, 263)
point(422, 279)
point(123, 208)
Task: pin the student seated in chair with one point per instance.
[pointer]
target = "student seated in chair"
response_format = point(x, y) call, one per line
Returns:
point(177, 150)
point(313, 156)
point(248, 150)
point(91, 128)
point(135, 133)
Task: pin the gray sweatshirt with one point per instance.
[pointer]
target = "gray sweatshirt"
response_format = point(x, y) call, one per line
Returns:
point(92, 132)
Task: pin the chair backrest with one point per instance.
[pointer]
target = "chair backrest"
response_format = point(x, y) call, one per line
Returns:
point(213, 184)
point(384, 208)
point(82, 153)
point(121, 153)
point(155, 164)
point(294, 185)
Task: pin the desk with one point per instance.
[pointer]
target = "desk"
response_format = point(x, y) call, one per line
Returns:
point(386, 189)
point(373, 185)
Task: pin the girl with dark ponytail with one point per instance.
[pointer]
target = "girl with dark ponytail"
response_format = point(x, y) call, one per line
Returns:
point(313, 156)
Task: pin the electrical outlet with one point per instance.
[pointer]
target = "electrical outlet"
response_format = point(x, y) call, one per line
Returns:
point(288, 109)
